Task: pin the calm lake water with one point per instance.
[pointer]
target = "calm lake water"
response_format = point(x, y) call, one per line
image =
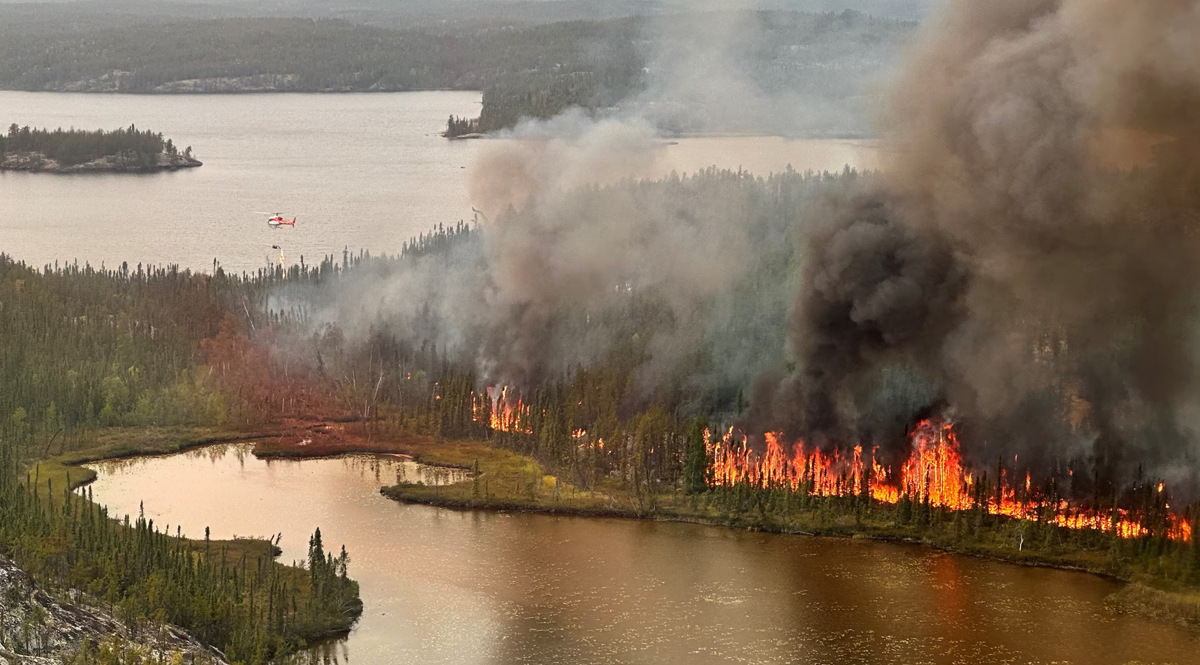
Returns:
point(442, 586)
point(360, 171)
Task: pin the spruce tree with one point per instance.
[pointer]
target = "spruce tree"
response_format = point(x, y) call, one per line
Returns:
point(695, 464)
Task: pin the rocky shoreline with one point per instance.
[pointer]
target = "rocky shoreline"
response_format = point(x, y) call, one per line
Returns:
point(37, 628)
point(36, 162)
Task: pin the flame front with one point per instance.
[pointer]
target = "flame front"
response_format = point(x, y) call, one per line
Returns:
point(501, 412)
point(933, 474)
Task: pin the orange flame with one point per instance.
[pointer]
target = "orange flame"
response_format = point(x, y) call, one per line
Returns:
point(505, 414)
point(933, 474)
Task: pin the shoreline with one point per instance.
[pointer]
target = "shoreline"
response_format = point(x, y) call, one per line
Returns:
point(116, 451)
point(36, 162)
point(113, 446)
point(396, 493)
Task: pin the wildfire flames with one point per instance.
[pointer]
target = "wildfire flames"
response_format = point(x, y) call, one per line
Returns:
point(933, 474)
point(501, 412)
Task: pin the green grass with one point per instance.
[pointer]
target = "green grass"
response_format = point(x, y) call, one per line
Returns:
point(1180, 606)
point(118, 442)
point(505, 481)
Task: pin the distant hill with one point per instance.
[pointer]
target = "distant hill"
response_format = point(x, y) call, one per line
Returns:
point(286, 54)
point(434, 15)
point(534, 71)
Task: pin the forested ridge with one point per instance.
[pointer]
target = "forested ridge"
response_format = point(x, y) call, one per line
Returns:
point(533, 71)
point(292, 54)
point(432, 15)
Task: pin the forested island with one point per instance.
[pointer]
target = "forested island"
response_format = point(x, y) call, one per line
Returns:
point(125, 150)
point(138, 360)
point(531, 71)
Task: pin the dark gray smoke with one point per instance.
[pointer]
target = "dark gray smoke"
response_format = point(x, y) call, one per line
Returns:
point(876, 293)
point(1031, 256)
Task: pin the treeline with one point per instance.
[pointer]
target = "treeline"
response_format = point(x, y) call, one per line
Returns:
point(86, 348)
point(543, 95)
point(457, 126)
point(787, 61)
point(1170, 563)
point(75, 146)
point(241, 601)
point(89, 348)
point(432, 15)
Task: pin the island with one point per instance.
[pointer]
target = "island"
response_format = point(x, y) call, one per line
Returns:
point(125, 150)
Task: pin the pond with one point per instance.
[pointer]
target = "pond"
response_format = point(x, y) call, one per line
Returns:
point(442, 586)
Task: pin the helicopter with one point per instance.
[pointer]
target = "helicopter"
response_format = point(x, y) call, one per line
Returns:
point(277, 220)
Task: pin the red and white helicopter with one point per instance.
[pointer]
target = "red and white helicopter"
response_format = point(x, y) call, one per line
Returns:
point(277, 221)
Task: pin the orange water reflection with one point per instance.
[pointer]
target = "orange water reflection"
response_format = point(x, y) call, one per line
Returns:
point(460, 587)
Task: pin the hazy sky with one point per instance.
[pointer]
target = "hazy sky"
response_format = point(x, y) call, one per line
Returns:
point(906, 9)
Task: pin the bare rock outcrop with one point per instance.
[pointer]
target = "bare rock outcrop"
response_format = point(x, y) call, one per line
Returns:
point(36, 628)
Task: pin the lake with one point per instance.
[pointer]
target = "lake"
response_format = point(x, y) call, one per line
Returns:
point(359, 171)
point(442, 586)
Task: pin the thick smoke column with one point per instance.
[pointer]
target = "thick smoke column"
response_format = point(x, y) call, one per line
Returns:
point(564, 252)
point(876, 293)
point(1031, 255)
point(558, 244)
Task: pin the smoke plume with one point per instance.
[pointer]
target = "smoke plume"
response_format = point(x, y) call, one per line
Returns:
point(1026, 262)
point(559, 241)
point(1030, 252)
